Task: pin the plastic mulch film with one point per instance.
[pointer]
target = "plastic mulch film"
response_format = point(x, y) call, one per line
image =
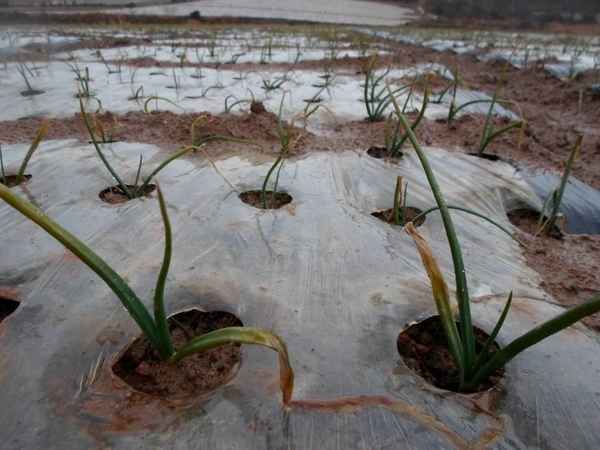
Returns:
point(335, 283)
point(179, 89)
point(580, 205)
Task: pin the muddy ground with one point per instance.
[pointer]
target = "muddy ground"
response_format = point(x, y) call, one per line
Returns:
point(555, 111)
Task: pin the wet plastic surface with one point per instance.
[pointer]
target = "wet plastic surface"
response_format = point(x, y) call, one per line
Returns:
point(335, 283)
point(580, 204)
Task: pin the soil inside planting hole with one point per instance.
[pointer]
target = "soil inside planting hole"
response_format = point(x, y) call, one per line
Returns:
point(10, 179)
point(492, 158)
point(411, 213)
point(526, 220)
point(253, 198)
point(32, 93)
point(381, 153)
point(141, 368)
point(424, 349)
point(115, 194)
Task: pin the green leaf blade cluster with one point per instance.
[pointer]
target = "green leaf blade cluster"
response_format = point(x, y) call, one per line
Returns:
point(473, 372)
point(155, 329)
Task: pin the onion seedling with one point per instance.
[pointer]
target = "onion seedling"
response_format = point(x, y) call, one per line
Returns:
point(156, 328)
point(137, 192)
point(488, 128)
point(474, 369)
point(394, 142)
point(399, 202)
point(377, 99)
point(454, 85)
point(556, 195)
point(211, 46)
point(21, 70)
point(269, 85)
point(157, 98)
point(237, 102)
point(487, 135)
point(34, 145)
point(106, 139)
point(287, 144)
point(99, 53)
point(137, 95)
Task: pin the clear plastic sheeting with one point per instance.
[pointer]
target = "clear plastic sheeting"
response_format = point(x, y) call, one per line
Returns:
point(334, 282)
point(580, 204)
point(464, 96)
point(206, 89)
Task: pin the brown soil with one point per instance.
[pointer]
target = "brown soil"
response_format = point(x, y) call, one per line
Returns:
point(411, 213)
point(10, 179)
point(141, 368)
point(526, 220)
point(253, 198)
point(424, 349)
point(381, 153)
point(115, 194)
point(555, 111)
point(569, 264)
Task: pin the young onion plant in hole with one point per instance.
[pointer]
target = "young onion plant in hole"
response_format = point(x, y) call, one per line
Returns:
point(136, 190)
point(229, 106)
point(399, 203)
point(15, 180)
point(97, 126)
point(375, 96)
point(21, 68)
point(393, 141)
point(472, 368)
point(488, 133)
point(556, 195)
point(156, 328)
point(287, 144)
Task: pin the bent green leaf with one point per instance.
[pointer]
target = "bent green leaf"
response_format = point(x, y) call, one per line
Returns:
point(242, 335)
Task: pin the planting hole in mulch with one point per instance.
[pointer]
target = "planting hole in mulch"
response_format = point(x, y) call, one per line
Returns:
point(411, 213)
point(253, 198)
point(381, 153)
point(487, 156)
point(7, 307)
point(526, 220)
point(424, 349)
point(10, 179)
point(115, 195)
point(32, 93)
point(140, 367)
